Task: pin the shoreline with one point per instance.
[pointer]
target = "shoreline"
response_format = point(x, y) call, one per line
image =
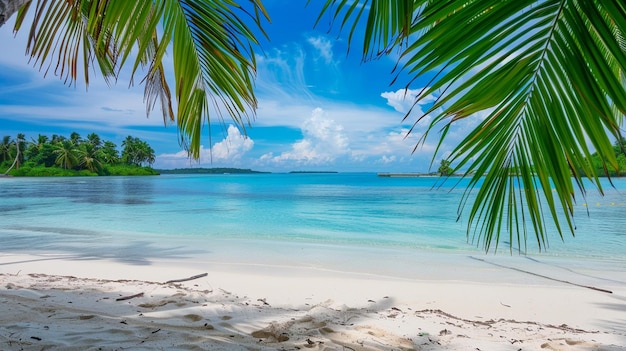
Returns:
point(264, 306)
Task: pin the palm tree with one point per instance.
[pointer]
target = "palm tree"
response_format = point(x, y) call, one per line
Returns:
point(88, 157)
point(129, 146)
point(94, 139)
point(5, 147)
point(75, 138)
point(548, 75)
point(137, 152)
point(40, 142)
point(18, 147)
point(145, 154)
point(57, 139)
point(66, 153)
point(108, 153)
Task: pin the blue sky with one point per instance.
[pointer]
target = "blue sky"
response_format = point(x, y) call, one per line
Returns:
point(319, 107)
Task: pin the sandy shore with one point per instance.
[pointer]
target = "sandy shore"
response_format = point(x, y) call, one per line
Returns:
point(58, 302)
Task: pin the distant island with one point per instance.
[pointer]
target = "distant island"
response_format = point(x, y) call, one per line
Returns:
point(407, 175)
point(313, 172)
point(209, 171)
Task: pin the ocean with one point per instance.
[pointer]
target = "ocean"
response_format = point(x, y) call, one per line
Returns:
point(302, 218)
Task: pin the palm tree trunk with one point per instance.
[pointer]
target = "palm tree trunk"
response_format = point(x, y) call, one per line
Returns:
point(8, 8)
point(17, 156)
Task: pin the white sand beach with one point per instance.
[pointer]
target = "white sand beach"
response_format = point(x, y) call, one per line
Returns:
point(58, 302)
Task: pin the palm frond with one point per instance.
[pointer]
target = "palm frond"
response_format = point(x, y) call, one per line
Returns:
point(212, 51)
point(156, 86)
point(549, 73)
point(213, 62)
point(385, 24)
point(58, 40)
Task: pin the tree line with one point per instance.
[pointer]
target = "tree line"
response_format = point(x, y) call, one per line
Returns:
point(62, 156)
point(619, 149)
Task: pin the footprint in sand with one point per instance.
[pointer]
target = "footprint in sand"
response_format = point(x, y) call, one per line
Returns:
point(192, 317)
point(563, 344)
point(156, 304)
point(266, 334)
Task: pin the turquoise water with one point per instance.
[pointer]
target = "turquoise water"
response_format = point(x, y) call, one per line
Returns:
point(128, 215)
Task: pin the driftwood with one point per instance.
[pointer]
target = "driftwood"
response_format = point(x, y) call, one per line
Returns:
point(129, 297)
point(545, 277)
point(187, 279)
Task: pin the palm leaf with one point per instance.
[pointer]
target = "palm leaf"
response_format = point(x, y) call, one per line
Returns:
point(213, 62)
point(550, 76)
point(212, 51)
point(58, 40)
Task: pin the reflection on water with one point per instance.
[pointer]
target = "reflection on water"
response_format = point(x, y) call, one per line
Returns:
point(338, 209)
point(104, 190)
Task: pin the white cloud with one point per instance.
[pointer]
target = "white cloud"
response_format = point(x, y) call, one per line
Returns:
point(280, 73)
point(324, 47)
point(324, 140)
point(177, 160)
point(402, 100)
point(228, 152)
point(387, 159)
point(233, 147)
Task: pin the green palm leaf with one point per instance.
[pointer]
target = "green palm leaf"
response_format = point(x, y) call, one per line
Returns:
point(549, 74)
point(211, 43)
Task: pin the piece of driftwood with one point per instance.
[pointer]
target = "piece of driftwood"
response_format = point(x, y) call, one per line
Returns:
point(545, 277)
point(129, 297)
point(187, 279)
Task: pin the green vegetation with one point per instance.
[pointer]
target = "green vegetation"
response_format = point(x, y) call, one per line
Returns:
point(445, 169)
point(619, 149)
point(59, 156)
point(208, 171)
point(545, 78)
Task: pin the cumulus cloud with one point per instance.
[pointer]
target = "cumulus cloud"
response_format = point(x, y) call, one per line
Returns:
point(323, 141)
point(233, 146)
point(177, 160)
point(387, 159)
point(229, 150)
point(403, 99)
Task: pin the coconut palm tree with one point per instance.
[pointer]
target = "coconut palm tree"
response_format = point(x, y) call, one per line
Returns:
point(145, 154)
point(40, 142)
point(5, 147)
point(547, 76)
point(67, 154)
point(89, 157)
point(137, 152)
point(75, 138)
point(17, 147)
point(108, 153)
point(94, 139)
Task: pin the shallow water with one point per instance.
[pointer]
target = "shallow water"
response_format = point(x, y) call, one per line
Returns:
point(250, 218)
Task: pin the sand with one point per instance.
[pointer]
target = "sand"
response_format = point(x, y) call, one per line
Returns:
point(52, 301)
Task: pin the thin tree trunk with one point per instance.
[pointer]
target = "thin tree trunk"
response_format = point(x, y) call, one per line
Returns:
point(8, 8)
point(17, 157)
